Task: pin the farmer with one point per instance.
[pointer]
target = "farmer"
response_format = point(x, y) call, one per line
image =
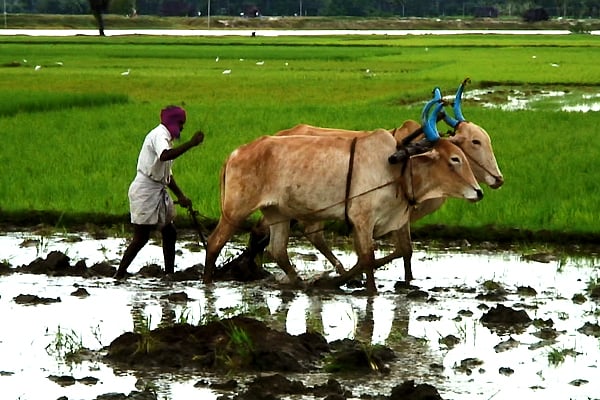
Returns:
point(150, 204)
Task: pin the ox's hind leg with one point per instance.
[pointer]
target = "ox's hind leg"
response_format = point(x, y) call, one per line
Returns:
point(214, 245)
point(314, 233)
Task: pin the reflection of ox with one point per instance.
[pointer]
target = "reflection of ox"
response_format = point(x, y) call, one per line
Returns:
point(471, 138)
point(317, 178)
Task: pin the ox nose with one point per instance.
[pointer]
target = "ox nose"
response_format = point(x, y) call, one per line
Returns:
point(479, 194)
point(499, 182)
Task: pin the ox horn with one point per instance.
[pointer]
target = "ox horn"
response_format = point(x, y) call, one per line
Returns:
point(429, 122)
point(428, 127)
point(456, 107)
point(437, 96)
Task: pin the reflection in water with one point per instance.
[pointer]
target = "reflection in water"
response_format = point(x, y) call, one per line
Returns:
point(413, 328)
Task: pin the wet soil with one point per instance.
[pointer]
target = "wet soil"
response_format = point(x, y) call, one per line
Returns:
point(239, 344)
point(248, 345)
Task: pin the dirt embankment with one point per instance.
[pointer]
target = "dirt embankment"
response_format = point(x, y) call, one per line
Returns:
point(112, 21)
point(397, 23)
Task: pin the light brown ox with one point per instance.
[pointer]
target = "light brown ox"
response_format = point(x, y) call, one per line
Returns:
point(304, 178)
point(473, 140)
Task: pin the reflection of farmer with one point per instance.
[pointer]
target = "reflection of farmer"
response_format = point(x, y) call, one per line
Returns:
point(150, 205)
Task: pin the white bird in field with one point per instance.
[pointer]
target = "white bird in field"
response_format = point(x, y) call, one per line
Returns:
point(260, 62)
point(227, 72)
point(126, 72)
point(59, 63)
point(217, 59)
point(38, 67)
point(554, 64)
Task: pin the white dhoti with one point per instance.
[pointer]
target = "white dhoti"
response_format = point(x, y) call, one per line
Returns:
point(150, 202)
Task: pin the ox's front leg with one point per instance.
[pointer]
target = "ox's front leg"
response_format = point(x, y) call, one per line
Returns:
point(365, 250)
point(402, 248)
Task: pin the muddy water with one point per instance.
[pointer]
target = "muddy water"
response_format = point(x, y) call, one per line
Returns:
point(525, 365)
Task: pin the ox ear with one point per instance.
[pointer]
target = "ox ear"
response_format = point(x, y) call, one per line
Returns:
point(427, 157)
point(457, 139)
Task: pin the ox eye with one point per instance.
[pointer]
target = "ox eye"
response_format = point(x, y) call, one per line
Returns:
point(455, 159)
point(476, 142)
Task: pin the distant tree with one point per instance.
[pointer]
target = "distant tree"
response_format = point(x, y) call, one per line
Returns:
point(485, 12)
point(99, 7)
point(535, 15)
point(123, 7)
point(251, 11)
point(177, 8)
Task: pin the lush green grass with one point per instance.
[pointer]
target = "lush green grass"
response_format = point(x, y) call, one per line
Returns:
point(72, 132)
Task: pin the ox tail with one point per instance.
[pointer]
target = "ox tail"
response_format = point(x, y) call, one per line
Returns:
point(223, 186)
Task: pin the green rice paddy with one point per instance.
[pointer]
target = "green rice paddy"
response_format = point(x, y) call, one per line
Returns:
point(72, 127)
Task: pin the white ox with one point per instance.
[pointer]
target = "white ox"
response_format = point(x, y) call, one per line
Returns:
point(473, 140)
point(305, 178)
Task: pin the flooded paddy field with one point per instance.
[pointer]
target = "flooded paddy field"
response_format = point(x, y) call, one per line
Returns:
point(537, 98)
point(439, 330)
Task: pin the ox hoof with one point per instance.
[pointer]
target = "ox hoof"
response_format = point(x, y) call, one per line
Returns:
point(324, 275)
point(293, 281)
point(327, 282)
point(120, 277)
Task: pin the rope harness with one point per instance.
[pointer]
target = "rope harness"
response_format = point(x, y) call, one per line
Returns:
point(349, 184)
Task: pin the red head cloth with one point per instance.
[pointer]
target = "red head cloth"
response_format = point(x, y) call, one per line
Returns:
point(173, 118)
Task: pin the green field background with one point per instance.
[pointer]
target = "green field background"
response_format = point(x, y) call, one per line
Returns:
point(72, 129)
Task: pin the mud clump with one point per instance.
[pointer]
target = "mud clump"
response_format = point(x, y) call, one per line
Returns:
point(58, 263)
point(243, 344)
point(238, 343)
point(506, 319)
